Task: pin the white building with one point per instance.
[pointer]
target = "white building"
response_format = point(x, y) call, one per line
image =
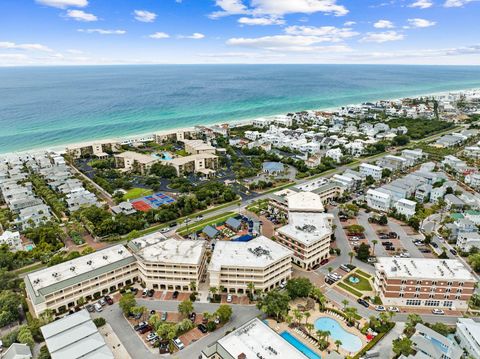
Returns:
point(254, 339)
point(366, 169)
point(378, 200)
point(335, 154)
point(12, 240)
point(467, 240)
point(405, 207)
point(260, 261)
point(468, 333)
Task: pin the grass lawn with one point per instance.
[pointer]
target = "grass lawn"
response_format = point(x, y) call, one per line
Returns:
point(136, 193)
point(29, 268)
point(349, 289)
point(363, 274)
point(196, 226)
point(363, 285)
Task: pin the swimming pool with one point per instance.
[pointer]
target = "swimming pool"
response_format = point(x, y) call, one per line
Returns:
point(350, 342)
point(166, 156)
point(309, 353)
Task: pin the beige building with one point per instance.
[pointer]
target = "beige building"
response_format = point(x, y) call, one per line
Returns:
point(260, 261)
point(204, 163)
point(175, 135)
point(197, 147)
point(60, 287)
point(130, 160)
point(308, 231)
point(423, 282)
point(99, 149)
point(169, 264)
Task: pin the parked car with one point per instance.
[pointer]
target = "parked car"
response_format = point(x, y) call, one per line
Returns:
point(453, 251)
point(193, 316)
point(90, 308)
point(173, 224)
point(345, 268)
point(164, 316)
point(145, 292)
point(387, 243)
point(425, 250)
point(324, 261)
point(329, 280)
point(372, 260)
point(165, 230)
point(178, 343)
point(283, 285)
point(393, 309)
point(363, 302)
point(109, 300)
point(151, 292)
point(379, 308)
point(145, 329)
point(434, 245)
point(137, 316)
point(202, 328)
point(438, 311)
point(102, 302)
point(98, 307)
point(152, 337)
point(229, 298)
point(175, 295)
point(140, 326)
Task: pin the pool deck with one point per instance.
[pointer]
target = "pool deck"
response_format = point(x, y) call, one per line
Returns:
point(314, 315)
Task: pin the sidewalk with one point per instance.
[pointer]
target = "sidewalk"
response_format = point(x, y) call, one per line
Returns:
point(118, 350)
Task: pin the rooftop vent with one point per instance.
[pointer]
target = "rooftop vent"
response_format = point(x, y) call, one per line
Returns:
point(120, 251)
point(72, 268)
point(308, 228)
point(55, 274)
point(259, 251)
point(89, 263)
point(36, 281)
point(105, 257)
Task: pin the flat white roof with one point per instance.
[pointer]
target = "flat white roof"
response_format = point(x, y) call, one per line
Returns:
point(428, 268)
point(407, 202)
point(305, 201)
point(378, 193)
point(260, 252)
point(174, 251)
point(256, 340)
point(71, 269)
point(374, 167)
point(307, 228)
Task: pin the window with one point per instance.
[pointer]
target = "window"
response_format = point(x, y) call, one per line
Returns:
point(432, 303)
point(447, 303)
point(413, 302)
point(449, 283)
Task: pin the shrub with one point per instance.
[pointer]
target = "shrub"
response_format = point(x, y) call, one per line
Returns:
point(99, 322)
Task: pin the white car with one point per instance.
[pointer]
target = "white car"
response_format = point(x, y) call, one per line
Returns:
point(152, 336)
point(379, 308)
point(102, 302)
point(336, 276)
point(282, 285)
point(393, 309)
point(178, 343)
point(229, 298)
point(438, 311)
point(98, 307)
point(164, 230)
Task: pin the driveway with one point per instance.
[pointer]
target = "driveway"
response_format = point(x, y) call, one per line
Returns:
point(371, 235)
point(134, 345)
point(406, 240)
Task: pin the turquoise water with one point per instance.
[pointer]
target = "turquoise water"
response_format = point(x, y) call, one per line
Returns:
point(51, 106)
point(351, 343)
point(309, 353)
point(165, 156)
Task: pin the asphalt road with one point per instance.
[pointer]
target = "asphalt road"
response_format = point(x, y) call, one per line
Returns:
point(134, 345)
point(371, 235)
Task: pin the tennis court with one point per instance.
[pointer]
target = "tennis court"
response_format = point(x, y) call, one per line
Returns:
point(152, 201)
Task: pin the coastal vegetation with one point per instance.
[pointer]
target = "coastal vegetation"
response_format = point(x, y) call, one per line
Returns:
point(419, 128)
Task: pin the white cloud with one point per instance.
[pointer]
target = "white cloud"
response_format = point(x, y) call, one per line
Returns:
point(75, 51)
point(422, 4)
point(419, 23)
point(159, 35)
point(350, 23)
point(102, 31)
point(381, 37)
point(278, 8)
point(28, 47)
point(457, 3)
point(326, 33)
point(261, 21)
point(384, 24)
point(62, 4)
point(194, 36)
point(144, 16)
point(81, 15)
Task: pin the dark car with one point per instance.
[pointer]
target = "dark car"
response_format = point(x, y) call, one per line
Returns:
point(140, 326)
point(151, 292)
point(425, 250)
point(90, 308)
point(202, 328)
point(193, 316)
point(109, 300)
point(363, 302)
point(137, 316)
point(387, 243)
point(324, 261)
point(175, 294)
point(329, 280)
point(434, 245)
point(173, 224)
point(453, 251)
point(145, 329)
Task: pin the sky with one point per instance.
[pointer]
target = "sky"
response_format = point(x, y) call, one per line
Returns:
point(97, 32)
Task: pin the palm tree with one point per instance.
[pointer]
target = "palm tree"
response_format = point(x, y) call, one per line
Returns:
point(251, 287)
point(288, 319)
point(221, 288)
point(351, 255)
point(373, 248)
point(297, 315)
point(306, 316)
point(213, 290)
point(338, 342)
point(330, 269)
point(193, 286)
point(345, 303)
point(309, 327)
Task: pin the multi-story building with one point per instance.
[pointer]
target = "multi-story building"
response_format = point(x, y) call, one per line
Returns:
point(367, 169)
point(261, 261)
point(254, 339)
point(130, 161)
point(405, 207)
point(433, 344)
point(100, 149)
point(60, 287)
point(197, 147)
point(468, 335)
point(378, 200)
point(204, 163)
point(12, 240)
point(423, 282)
point(169, 264)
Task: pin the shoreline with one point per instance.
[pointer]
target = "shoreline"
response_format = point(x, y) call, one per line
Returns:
point(61, 148)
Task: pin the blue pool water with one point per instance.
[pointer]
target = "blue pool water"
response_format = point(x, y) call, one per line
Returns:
point(350, 342)
point(165, 156)
point(28, 247)
point(309, 353)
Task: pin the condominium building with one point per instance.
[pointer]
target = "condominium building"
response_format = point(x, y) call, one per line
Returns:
point(60, 287)
point(423, 282)
point(197, 147)
point(99, 149)
point(169, 264)
point(130, 161)
point(254, 339)
point(378, 200)
point(433, 344)
point(203, 163)
point(468, 335)
point(406, 207)
point(366, 169)
point(261, 261)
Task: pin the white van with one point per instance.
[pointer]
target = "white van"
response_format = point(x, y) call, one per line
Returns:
point(98, 307)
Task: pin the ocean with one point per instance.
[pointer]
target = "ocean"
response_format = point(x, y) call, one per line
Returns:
point(44, 107)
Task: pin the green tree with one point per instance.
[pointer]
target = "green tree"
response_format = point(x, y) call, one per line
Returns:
point(338, 342)
point(374, 242)
point(185, 308)
point(402, 346)
point(44, 353)
point(299, 287)
point(351, 255)
point(127, 302)
point(9, 303)
point(401, 140)
point(363, 252)
point(355, 228)
point(274, 303)
point(386, 173)
point(224, 313)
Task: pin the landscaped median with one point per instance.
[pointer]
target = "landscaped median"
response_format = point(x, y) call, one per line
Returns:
point(356, 283)
point(212, 221)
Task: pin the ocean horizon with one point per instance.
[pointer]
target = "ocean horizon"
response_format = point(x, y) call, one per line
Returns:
point(46, 107)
